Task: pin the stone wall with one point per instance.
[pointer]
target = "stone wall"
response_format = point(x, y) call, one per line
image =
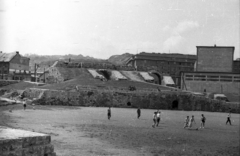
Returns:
point(15, 142)
point(152, 100)
point(7, 82)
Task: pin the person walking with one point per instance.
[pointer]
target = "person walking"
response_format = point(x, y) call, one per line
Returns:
point(24, 105)
point(203, 119)
point(154, 119)
point(186, 122)
point(191, 121)
point(158, 117)
point(138, 112)
point(229, 119)
point(109, 113)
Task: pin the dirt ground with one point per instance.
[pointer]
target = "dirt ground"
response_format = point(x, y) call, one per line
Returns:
point(82, 131)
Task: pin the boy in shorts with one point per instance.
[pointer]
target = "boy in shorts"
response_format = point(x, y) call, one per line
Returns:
point(154, 119)
point(158, 117)
point(203, 119)
point(191, 122)
point(186, 122)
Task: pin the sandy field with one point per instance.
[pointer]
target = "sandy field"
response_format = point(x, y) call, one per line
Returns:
point(82, 131)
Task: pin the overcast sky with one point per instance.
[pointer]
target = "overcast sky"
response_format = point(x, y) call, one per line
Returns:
point(101, 28)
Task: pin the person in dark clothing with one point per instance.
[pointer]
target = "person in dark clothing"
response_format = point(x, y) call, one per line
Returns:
point(229, 119)
point(139, 112)
point(109, 113)
point(203, 119)
point(24, 105)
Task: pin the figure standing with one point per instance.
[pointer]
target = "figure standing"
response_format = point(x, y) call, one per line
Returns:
point(186, 122)
point(138, 112)
point(154, 119)
point(191, 122)
point(203, 119)
point(109, 113)
point(158, 117)
point(229, 119)
point(24, 105)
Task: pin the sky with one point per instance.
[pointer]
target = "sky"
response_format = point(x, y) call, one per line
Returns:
point(102, 28)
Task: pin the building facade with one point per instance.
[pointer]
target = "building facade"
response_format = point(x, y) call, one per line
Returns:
point(219, 82)
point(214, 59)
point(14, 66)
point(236, 66)
point(214, 71)
point(165, 64)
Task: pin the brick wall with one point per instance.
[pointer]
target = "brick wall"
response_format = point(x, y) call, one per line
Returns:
point(215, 59)
point(15, 142)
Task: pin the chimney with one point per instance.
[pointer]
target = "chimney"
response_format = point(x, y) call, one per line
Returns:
point(69, 60)
point(214, 45)
point(17, 52)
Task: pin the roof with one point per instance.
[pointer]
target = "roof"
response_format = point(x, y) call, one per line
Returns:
point(207, 72)
point(176, 57)
point(215, 47)
point(7, 57)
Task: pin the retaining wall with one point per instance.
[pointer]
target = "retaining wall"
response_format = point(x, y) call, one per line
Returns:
point(15, 142)
point(7, 82)
point(152, 100)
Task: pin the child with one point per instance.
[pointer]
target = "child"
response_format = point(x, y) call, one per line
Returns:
point(191, 122)
point(154, 119)
point(158, 117)
point(203, 119)
point(229, 119)
point(109, 113)
point(186, 122)
point(24, 105)
point(139, 112)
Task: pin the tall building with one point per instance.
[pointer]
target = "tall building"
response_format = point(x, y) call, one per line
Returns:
point(165, 64)
point(214, 71)
point(214, 59)
point(14, 66)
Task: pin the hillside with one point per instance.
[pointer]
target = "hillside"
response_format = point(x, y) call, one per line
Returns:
point(119, 59)
point(85, 79)
point(48, 60)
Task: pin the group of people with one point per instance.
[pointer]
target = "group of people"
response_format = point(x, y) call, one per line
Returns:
point(187, 124)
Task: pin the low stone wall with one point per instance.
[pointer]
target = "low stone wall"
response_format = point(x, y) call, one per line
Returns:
point(7, 82)
point(15, 142)
point(152, 100)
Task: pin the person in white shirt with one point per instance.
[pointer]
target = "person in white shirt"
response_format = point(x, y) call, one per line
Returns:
point(158, 117)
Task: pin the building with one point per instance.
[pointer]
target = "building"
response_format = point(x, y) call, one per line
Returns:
point(214, 59)
point(14, 66)
point(214, 71)
point(236, 66)
point(165, 64)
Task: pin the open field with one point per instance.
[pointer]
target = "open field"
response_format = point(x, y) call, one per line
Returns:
point(85, 131)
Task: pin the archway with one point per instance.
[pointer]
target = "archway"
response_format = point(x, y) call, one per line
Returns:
point(129, 104)
point(157, 77)
point(105, 73)
point(175, 104)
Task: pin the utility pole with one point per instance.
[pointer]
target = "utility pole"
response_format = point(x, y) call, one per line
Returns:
point(44, 75)
point(2, 72)
point(36, 67)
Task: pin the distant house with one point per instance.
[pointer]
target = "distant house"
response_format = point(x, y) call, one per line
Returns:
point(14, 66)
